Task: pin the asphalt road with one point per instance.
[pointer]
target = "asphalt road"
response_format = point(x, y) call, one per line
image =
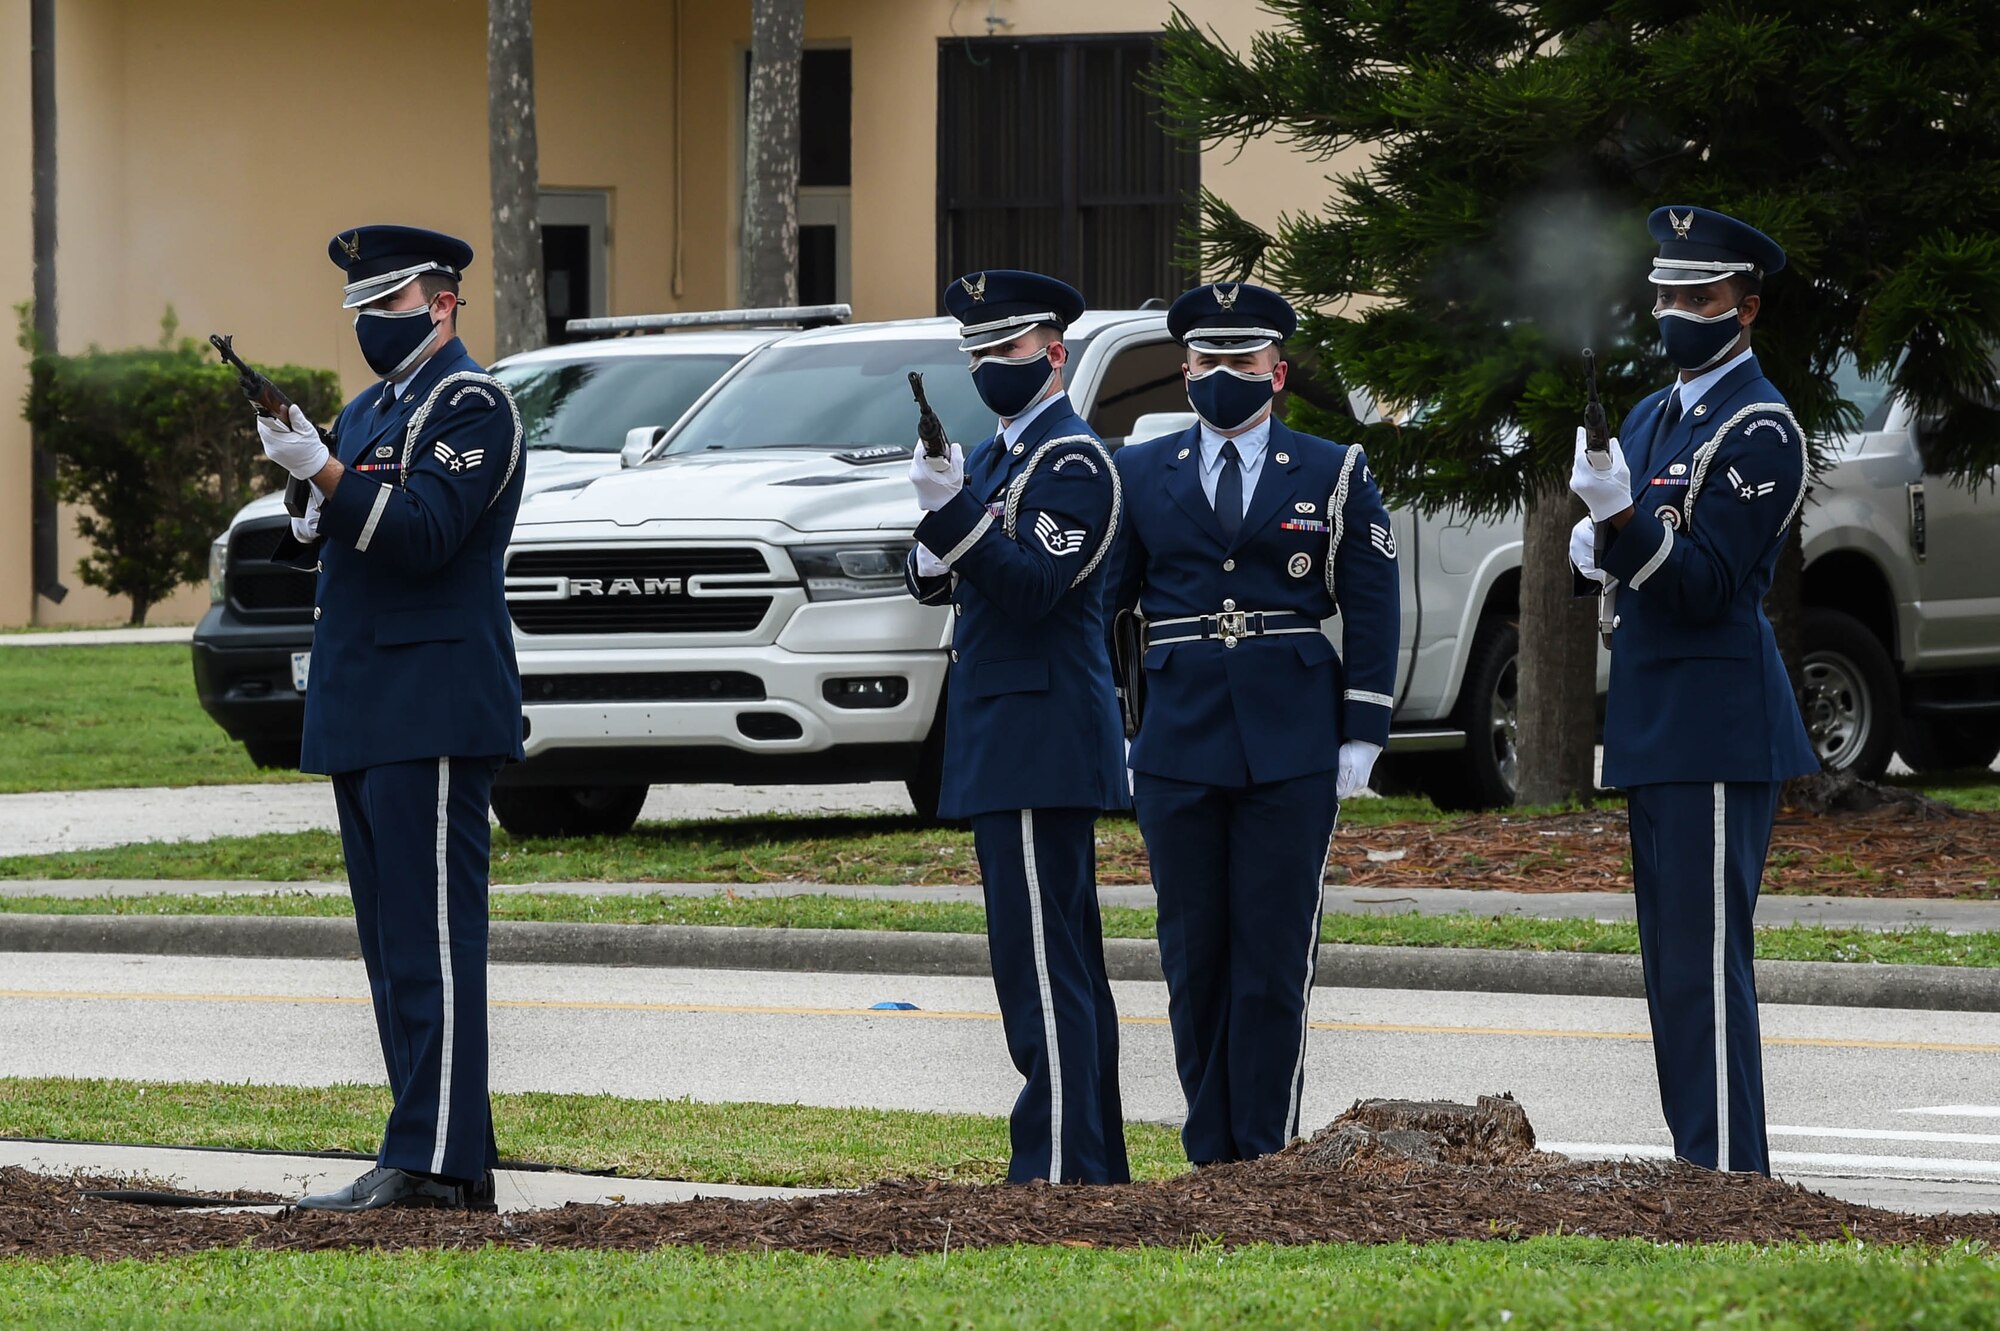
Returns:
point(1894, 1107)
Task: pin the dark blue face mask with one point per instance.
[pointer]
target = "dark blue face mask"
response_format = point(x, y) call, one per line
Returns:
point(1696, 343)
point(391, 340)
point(1009, 385)
point(1226, 398)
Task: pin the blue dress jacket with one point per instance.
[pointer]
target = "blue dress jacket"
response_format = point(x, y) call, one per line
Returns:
point(1031, 719)
point(413, 652)
point(1315, 542)
point(1698, 691)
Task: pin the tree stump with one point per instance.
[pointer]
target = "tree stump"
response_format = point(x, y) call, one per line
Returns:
point(1494, 1131)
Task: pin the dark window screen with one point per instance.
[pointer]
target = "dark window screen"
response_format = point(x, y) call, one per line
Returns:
point(565, 277)
point(1051, 157)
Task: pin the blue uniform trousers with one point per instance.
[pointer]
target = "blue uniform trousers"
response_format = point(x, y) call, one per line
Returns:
point(417, 846)
point(1047, 943)
point(1697, 860)
point(1240, 874)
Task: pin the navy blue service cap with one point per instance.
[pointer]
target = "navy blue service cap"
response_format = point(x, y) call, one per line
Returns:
point(1000, 304)
point(382, 260)
point(1229, 318)
point(1700, 245)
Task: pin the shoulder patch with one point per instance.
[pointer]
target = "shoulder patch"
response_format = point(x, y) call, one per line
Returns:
point(1070, 460)
point(1771, 423)
point(478, 392)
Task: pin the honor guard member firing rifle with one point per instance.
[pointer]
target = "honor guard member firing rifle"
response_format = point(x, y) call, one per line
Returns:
point(1702, 728)
point(1013, 538)
point(1240, 537)
point(414, 700)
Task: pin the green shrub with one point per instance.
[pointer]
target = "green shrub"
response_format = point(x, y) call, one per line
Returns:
point(158, 449)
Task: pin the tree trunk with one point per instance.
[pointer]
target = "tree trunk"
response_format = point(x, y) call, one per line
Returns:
point(520, 315)
point(44, 555)
point(1557, 741)
point(771, 185)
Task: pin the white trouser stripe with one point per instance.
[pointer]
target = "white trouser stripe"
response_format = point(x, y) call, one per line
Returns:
point(1716, 961)
point(1312, 975)
point(444, 969)
point(374, 516)
point(1048, 994)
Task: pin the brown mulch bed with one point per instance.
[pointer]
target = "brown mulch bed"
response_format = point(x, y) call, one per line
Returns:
point(1351, 1184)
point(1885, 853)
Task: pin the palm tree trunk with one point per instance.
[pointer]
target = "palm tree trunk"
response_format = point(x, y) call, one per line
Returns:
point(771, 184)
point(520, 318)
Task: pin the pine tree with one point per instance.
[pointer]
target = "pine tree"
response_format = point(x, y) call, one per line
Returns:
point(1496, 228)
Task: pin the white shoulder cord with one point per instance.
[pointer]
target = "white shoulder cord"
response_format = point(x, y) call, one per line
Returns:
point(423, 414)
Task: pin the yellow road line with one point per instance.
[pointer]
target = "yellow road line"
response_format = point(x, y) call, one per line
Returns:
point(776, 1010)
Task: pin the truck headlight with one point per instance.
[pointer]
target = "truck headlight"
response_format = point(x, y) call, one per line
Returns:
point(852, 571)
point(218, 570)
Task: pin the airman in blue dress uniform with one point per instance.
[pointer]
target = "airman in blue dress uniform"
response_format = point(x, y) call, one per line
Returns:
point(1240, 537)
point(1013, 538)
point(1702, 728)
point(414, 700)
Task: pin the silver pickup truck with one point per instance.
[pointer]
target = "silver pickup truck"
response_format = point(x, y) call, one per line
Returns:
point(733, 609)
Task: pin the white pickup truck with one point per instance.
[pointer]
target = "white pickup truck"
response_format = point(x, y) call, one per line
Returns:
point(733, 609)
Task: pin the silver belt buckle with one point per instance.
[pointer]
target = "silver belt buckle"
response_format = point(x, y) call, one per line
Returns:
point(1231, 625)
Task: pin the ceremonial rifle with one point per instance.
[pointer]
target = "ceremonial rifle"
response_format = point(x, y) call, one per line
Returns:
point(1597, 450)
point(930, 430)
point(265, 397)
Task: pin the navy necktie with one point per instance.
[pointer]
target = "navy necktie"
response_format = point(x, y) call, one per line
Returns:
point(1229, 491)
point(1673, 416)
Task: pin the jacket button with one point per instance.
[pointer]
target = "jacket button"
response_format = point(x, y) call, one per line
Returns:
point(957, 610)
point(954, 656)
point(1228, 606)
point(1228, 566)
point(315, 613)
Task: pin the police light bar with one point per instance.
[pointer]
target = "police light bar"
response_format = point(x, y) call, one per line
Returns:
point(806, 316)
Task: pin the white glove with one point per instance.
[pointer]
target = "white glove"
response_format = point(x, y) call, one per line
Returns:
point(1357, 764)
point(937, 479)
point(1583, 550)
point(306, 529)
point(294, 445)
point(1605, 493)
point(928, 564)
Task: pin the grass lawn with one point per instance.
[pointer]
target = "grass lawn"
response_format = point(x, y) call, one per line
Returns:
point(1547, 1284)
point(775, 1145)
point(83, 718)
point(844, 848)
point(1797, 942)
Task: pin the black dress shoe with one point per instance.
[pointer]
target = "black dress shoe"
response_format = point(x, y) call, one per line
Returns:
point(481, 1196)
point(382, 1187)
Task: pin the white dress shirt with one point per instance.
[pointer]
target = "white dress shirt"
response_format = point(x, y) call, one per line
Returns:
point(1251, 446)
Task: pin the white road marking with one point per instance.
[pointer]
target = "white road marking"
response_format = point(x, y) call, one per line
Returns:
point(1957, 1111)
point(1890, 1135)
point(1804, 1162)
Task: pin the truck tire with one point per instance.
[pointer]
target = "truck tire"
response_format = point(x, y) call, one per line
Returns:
point(556, 811)
point(1948, 743)
point(269, 751)
point(1848, 694)
point(1481, 775)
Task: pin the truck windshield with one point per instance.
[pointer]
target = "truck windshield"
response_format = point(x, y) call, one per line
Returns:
point(586, 406)
point(839, 395)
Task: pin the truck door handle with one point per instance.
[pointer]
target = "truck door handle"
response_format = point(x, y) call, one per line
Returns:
point(1918, 535)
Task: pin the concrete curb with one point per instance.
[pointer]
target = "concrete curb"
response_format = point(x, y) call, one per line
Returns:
point(1819, 983)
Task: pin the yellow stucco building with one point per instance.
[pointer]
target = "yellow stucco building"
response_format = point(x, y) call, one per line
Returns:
point(206, 149)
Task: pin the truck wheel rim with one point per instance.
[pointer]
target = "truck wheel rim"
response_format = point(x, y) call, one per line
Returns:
point(1505, 711)
point(1838, 712)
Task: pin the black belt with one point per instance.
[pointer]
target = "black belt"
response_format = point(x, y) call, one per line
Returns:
point(1230, 626)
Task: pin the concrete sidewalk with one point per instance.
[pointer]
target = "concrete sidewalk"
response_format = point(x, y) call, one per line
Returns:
point(1952, 916)
point(882, 952)
point(194, 1170)
point(98, 637)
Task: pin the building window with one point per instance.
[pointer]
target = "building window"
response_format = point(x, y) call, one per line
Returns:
point(1051, 156)
point(576, 256)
